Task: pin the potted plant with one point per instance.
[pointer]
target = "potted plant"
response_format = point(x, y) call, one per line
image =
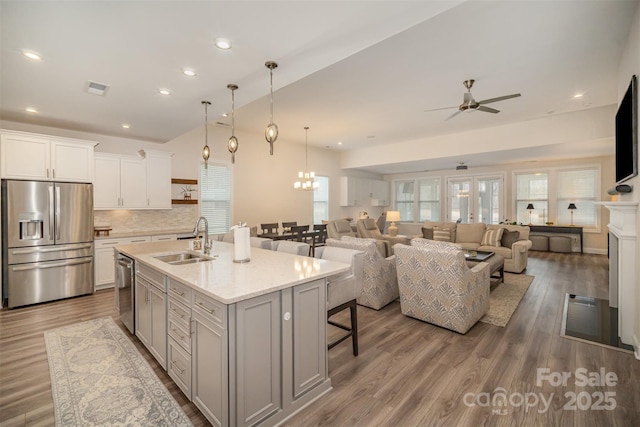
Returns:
point(186, 192)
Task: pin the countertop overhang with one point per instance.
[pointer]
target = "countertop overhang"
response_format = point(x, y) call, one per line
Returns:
point(229, 282)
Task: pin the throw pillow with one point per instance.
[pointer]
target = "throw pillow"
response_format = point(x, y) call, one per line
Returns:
point(427, 233)
point(441, 234)
point(509, 238)
point(492, 237)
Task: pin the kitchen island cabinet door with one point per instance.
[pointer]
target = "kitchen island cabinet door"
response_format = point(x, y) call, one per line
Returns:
point(151, 317)
point(258, 355)
point(210, 363)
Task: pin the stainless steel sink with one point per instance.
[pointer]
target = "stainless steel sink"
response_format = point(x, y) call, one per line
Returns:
point(181, 258)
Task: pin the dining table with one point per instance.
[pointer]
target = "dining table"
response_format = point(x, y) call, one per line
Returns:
point(303, 236)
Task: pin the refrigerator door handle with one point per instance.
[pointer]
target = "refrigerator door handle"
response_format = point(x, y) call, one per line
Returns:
point(40, 250)
point(50, 205)
point(57, 226)
point(52, 265)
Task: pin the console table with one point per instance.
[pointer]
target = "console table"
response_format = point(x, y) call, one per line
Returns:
point(559, 229)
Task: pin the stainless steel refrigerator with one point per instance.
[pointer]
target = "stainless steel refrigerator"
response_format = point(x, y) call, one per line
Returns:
point(47, 241)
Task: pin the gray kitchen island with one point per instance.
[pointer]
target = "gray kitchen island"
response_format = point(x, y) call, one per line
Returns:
point(245, 342)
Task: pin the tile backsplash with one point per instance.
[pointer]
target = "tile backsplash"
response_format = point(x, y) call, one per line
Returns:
point(125, 221)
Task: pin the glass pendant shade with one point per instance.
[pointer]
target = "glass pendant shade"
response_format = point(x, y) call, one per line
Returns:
point(206, 151)
point(306, 179)
point(232, 144)
point(271, 132)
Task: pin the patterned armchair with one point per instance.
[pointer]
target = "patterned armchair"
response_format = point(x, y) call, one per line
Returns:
point(379, 282)
point(436, 286)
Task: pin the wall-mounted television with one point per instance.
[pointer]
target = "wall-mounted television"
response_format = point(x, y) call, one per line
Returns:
point(627, 134)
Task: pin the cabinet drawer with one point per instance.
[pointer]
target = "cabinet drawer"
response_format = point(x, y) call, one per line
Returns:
point(179, 291)
point(180, 312)
point(211, 308)
point(152, 276)
point(179, 332)
point(179, 367)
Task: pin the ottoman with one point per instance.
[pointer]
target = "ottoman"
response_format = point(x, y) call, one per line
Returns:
point(560, 244)
point(539, 242)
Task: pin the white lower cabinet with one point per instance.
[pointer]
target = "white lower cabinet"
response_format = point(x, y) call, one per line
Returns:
point(151, 312)
point(104, 274)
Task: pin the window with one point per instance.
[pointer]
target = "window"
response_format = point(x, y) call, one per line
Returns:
point(404, 199)
point(429, 199)
point(215, 196)
point(579, 187)
point(321, 200)
point(532, 188)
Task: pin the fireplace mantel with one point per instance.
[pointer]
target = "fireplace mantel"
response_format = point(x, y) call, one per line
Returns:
point(623, 220)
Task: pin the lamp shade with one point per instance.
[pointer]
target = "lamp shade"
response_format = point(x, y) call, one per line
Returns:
point(530, 206)
point(393, 216)
point(572, 206)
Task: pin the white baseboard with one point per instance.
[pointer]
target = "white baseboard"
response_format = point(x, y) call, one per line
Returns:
point(595, 251)
point(636, 346)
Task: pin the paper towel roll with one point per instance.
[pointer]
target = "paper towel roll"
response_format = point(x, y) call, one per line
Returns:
point(241, 244)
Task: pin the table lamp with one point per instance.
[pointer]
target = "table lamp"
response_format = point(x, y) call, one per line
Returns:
point(393, 216)
point(530, 208)
point(572, 207)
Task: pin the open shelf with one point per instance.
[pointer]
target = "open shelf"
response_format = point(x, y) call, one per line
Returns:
point(183, 202)
point(184, 181)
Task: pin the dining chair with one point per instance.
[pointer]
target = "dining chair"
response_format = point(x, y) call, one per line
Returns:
point(296, 248)
point(321, 237)
point(287, 226)
point(298, 233)
point(271, 228)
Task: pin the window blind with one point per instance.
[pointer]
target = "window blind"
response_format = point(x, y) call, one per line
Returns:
point(215, 196)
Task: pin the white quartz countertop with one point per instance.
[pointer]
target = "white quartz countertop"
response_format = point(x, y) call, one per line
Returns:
point(230, 282)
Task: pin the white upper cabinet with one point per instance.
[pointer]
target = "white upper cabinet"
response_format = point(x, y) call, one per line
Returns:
point(158, 179)
point(40, 157)
point(380, 193)
point(132, 182)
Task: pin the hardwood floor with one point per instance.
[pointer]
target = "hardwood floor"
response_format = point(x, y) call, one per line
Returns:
point(408, 373)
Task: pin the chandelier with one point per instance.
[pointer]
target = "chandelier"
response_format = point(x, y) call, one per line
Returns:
point(306, 178)
point(271, 132)
point(206, 151)
point(232, 145)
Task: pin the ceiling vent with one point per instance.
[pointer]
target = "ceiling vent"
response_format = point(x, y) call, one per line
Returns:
point(462, 167)
point(96, 88)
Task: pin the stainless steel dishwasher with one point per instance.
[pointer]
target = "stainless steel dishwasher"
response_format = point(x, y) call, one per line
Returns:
point(125, 290)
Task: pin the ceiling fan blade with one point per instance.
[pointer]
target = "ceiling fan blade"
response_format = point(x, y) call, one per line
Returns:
point(500, 98)
point(453, 115)
point(487, 109)
point(443, 108)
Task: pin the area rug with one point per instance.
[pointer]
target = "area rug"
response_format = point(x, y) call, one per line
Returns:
point(98, 377)
point(505, 298)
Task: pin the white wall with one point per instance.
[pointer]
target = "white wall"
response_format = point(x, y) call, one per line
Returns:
point(630, 65)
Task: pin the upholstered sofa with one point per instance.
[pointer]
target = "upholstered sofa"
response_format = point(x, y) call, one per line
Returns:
point(437, 286)
point(499, 238)
point(368, 228)
point(379, 282)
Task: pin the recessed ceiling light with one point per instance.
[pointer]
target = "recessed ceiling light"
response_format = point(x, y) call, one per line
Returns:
point(164, 91)
point(32, 55)
point(126, 126)
point(188, 72)
point(578, 95)
point(31, 110)
point(222, 43)
point(224, 115)
point(339, 143)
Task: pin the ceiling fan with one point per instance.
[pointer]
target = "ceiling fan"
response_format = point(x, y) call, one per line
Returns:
point(469, 103)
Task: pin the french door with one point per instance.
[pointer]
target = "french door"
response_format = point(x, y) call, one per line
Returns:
point(476, 199)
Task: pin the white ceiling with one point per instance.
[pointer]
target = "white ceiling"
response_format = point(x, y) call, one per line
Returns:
point(357, 72)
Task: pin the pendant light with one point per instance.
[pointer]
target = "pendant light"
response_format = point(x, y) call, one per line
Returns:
point(271, 133)
point(232, 145)
point(206, 151)
point(306, 177)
